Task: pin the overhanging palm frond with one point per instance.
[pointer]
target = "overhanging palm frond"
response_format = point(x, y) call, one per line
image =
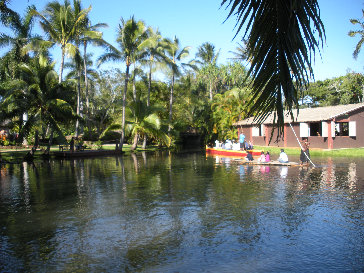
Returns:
point(282, 38)
point(360, 33)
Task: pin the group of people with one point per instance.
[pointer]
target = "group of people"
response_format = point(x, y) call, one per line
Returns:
point(283, 158)
point(233, 145)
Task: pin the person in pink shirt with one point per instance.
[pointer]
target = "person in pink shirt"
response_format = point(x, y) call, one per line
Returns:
point(267, 157)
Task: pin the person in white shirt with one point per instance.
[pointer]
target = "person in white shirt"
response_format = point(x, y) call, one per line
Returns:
point(262, 157)
point(283, 158)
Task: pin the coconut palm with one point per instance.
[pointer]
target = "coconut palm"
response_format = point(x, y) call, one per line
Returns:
point(143, 120)
point(87, 33)
point(21, 28)
point(154, 55)
point(206, 54)
point(176, 54)
point(61, 23)
point(132, 38)
point(241, 53)
point(281, 38)
point(41, 96)
point(360, 33)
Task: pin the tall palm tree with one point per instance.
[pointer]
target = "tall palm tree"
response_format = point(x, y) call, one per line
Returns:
point(154, 56)
point(61, 23)
point(207, 56)
point(21, 28)
point(132, 38)
point(281, 36)
point(86, 34)
point(176, 54)
point(360, 32)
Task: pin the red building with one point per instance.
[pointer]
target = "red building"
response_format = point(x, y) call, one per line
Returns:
point(330, 127)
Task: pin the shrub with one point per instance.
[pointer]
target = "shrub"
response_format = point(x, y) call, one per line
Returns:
point(111, 135)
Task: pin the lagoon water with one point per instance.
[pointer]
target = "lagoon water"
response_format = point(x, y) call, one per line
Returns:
point(164, 212)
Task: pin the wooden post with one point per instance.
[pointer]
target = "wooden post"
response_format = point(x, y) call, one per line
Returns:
point(285, 135)
point(330, 141)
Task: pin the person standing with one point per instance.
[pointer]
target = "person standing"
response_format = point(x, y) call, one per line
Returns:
point(305, 152)
point(242, 140)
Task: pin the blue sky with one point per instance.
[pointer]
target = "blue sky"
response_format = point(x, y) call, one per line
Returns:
point(197, 21)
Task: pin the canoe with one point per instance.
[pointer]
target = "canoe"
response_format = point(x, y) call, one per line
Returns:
point(224, 152)
point(270, 163)
point(86, 153)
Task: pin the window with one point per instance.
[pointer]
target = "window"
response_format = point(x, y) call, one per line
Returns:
point(315, 129)
point(258, 131)
point(342, 129)
point(304, 129)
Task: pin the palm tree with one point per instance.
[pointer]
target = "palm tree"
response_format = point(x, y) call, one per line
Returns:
point(360, 32)
point(41, 96)
point(21, 27)
point(207, 57)
point(61, 23)
point(132, 38)
point(206, 53)
point(144, 120)
point(87, 33)
point(154, 56)
point(281, 36)
point(176, 54)
point(240, 53)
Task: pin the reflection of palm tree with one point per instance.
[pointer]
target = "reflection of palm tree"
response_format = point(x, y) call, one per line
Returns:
point(360, 32)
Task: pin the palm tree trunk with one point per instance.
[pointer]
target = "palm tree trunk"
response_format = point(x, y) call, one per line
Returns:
point(124, 102)
point(170, 106)
point(78, 102)
point(148, 101)
point(134, 87)
point(210, 90)
point(86, 82)
point(49, 143)
point(61, 66)
point(135, 142)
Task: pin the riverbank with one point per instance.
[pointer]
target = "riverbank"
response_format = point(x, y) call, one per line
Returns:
point(344, 152)
point(17, 155)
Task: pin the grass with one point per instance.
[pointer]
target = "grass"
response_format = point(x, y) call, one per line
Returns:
point(347, 152)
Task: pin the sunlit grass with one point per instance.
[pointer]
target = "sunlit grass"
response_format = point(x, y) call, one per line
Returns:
point(350, 152)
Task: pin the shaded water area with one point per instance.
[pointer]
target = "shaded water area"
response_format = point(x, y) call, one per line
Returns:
point(164, 212)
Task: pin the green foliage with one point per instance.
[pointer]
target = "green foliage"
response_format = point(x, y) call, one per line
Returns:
point(341, 90)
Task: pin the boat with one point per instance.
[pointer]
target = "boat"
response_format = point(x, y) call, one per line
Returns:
point(233, 153)
point(86, 153)
point(270, 163)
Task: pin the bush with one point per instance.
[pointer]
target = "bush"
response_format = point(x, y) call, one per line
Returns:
point(111, 135)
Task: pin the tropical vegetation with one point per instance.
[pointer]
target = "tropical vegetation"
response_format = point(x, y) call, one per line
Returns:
point(198, 94)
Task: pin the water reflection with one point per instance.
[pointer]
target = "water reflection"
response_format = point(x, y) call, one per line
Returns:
point(167, 212)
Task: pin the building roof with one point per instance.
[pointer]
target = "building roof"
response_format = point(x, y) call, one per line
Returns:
point(309, 114)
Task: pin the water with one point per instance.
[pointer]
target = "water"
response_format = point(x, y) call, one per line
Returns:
point(181, 213)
